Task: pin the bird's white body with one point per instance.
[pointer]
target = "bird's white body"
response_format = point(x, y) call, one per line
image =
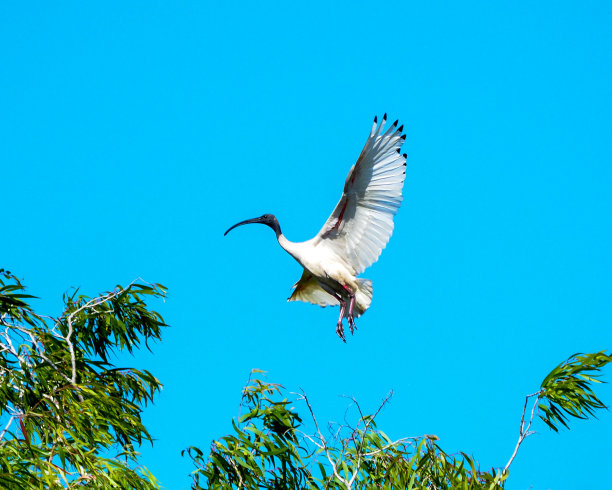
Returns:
point(321, 261)
point(356, 232)
point(324, 270)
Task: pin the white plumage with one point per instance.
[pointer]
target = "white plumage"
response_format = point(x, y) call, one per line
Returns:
point(357, 231)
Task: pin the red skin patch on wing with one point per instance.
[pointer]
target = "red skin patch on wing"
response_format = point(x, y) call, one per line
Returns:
point(339, 221)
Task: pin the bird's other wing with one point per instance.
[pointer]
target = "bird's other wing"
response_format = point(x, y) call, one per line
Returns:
point(362, 223)
point(307, 289)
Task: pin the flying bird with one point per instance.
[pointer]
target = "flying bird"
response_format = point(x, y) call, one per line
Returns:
point(356, 232)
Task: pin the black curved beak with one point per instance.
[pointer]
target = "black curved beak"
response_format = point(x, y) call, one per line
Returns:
point(246, 222)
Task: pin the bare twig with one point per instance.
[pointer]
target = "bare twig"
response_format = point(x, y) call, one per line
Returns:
point(367, 421)
point(8, 426)
point(364, 433)
point(9, 343)
point(524, 432)
point(324, 443)
point(309, 437)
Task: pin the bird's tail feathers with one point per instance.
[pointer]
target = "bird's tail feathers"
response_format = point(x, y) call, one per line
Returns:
point(363, 296)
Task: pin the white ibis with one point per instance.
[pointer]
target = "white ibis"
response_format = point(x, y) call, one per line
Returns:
point(356, 232)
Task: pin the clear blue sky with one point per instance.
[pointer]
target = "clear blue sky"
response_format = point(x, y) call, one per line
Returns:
point(135, 133)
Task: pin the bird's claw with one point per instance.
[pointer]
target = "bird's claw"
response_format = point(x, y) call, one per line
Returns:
point(351, 323)
point(340, 331)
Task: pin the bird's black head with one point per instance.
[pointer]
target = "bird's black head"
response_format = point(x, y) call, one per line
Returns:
point(266, 219)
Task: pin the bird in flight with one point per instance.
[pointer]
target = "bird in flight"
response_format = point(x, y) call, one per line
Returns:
point(356, 232)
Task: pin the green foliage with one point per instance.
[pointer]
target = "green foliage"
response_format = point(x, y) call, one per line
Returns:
point(566, 391)
point(70, 418)
point(265, 449)
point(269, 450)
point(65, 408)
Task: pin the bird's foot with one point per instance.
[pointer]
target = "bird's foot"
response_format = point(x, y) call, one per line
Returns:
point(340, 331)
point(351, 322)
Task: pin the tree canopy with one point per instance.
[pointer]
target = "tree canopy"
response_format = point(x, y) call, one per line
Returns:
point(271, 448)
point(70, 417)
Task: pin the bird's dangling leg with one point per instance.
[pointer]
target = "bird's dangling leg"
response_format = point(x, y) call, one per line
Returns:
point(339, 326)
point(349, 316)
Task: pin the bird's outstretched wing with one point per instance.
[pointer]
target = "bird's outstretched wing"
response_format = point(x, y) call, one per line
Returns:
point(307, 289)
point(362, 223)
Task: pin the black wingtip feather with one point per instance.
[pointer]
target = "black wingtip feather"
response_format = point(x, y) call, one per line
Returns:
point(398, 150)
point(401, 128)
point(395, 123)
point(405, 155)
point(403, 137)
point(385, 117)
point(375, 120)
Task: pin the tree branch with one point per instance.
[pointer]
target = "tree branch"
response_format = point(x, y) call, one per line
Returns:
point(13, 417)
point(524, 432)
point(363, 434)
point(90, 304)
point(324, 443)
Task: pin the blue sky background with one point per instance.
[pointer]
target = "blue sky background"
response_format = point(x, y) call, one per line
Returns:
point(135, 133)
